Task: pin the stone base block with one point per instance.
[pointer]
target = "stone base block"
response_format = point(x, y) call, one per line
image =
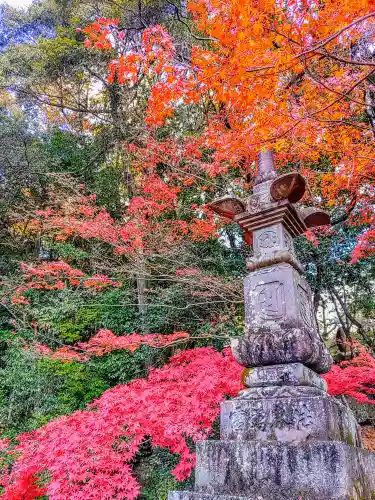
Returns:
point(280, 344)
point(288, 414)
point(191, 495)
point(295, 374)
point(279, 471)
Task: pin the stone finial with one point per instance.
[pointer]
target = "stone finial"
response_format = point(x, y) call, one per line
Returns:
point(266, 167)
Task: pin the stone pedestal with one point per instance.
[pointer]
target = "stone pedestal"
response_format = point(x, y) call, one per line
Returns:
point(289, 440)
point(283, 437)
point(231, 470)
point(288, 415)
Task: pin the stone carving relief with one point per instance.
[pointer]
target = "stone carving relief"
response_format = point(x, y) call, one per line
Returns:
point(293, 416)
point(282, 415)
point(262, 345)
point(268, 414)
point(297, 416)
point(255, 418)
point(258, 202)
point(270, 300)
point(303, 416)
point(268, 239)
point(253, 204)
point(305, 306)
point(239, 419)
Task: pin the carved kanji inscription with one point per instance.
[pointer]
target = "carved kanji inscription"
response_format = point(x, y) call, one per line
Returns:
point(270, 300)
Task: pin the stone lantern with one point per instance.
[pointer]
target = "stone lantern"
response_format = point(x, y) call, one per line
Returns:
point(283, 437)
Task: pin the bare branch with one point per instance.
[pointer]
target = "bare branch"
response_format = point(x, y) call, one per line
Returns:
point(177, 11)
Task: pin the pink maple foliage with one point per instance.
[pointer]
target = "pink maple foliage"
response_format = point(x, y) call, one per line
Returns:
point(105, 341)
point(56, 275)
point(88, 454)
point(140, 229)
point(355, 378)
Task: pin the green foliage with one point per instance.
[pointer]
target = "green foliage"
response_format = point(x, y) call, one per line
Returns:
point(328, 267)
point(342, 289)
point(35, 390)
point(121, 367)
point(153, 471)
point(73, 315)
point(119, 310)
point(68, 252)
point(153, 468)
point(78, 383)
point(62, 50)
point(84, 320)
point(58, 131)
point(70, 153)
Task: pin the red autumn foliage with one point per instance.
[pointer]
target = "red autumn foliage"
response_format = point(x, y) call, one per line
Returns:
point(106, 341)
point(56, 275)
point(27, 487)
point(249, 71)
point(142, 228)
point(365, 246)
point(98, 33)
point(88, 454)
point(355, 378)
point(297, 62)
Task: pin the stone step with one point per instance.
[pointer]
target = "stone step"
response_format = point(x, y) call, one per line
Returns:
point(278, 471)
point(193, 495)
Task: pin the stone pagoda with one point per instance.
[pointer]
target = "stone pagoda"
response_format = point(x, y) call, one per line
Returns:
point(283, 437)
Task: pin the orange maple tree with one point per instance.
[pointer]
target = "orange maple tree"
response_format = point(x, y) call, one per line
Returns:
point(296, 76)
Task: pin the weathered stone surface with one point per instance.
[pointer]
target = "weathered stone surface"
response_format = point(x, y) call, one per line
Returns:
point(270, 240)
point(280, 257)
point(261, 199)
point(276, 375)
point(192, 495)
point(313, 471)
point(266, 168)
point(279, 344)
point(273, 245)
point(290, 416)
point(277, 293)
point(280, 391)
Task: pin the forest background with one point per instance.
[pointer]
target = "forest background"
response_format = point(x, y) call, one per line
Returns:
point(120, 122)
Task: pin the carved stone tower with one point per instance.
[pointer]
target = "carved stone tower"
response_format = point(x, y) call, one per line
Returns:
point(283, 437)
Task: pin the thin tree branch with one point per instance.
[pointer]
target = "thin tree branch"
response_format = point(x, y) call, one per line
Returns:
point(335, 35)
point(346, 93)
point(177, 11)
point(347, 313)
point(347, 212)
